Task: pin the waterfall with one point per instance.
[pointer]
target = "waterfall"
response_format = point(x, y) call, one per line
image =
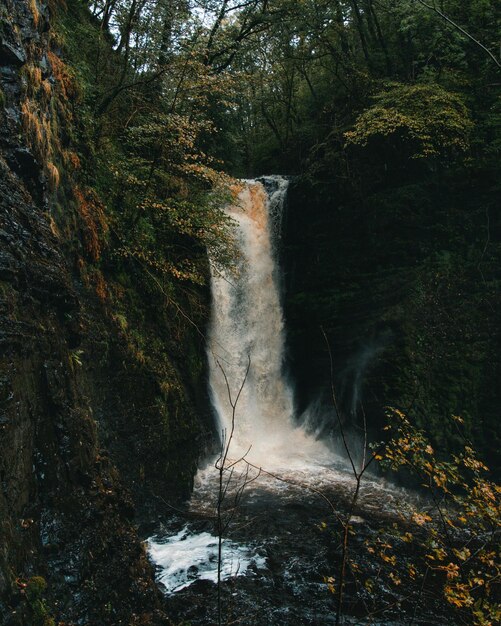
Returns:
point(289, 469)
point(247, 333)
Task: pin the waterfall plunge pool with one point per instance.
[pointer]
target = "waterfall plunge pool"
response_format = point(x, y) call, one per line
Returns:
point(281, 546)
point(189, 556)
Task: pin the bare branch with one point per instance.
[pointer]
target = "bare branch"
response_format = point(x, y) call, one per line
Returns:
point(336, 407)
point(460, 29)
point(222, 526)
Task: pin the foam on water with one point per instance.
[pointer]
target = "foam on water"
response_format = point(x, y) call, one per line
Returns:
point(189, 556)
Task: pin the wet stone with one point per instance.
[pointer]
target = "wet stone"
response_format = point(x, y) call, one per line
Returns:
point(11, 54)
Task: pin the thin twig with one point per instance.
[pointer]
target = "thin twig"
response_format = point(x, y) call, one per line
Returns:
point(461, 30)
point(222, 526)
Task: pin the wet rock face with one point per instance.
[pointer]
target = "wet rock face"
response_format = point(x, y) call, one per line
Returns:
point(34, 291)
point(64, 514)
point(15, 34)
point(409, 323)
point(18, 34)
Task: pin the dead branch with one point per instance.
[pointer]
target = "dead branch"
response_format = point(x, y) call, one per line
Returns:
point(460, 29)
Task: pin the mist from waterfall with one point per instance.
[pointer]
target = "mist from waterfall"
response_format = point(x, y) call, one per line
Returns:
point(247, 333)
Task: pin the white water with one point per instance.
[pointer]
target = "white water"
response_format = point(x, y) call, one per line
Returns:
point(247, 331)
point(188, 556)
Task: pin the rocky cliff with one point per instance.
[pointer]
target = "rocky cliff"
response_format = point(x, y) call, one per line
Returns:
point(403, 278)
point(93, 433)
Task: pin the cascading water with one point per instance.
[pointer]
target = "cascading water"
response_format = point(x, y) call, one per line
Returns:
point(247, 333)
point(287, 477)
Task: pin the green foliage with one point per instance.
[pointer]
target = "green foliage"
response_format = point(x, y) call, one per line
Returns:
point(393, 120)
point(147, 123)
point(35, 589)
point(421, 120)
point(168, 199)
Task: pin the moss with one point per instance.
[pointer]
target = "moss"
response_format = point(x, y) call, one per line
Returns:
point(66, 81)
point(35, 12)
point(93, 218)
point(53, 175)
point(35, 590)
point(31, 74)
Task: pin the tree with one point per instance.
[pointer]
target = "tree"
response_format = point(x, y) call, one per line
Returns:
point(416, 121)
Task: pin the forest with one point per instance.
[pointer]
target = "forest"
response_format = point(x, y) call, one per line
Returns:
point(134, 137)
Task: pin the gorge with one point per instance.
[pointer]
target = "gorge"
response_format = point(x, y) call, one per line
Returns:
point(302, 367)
